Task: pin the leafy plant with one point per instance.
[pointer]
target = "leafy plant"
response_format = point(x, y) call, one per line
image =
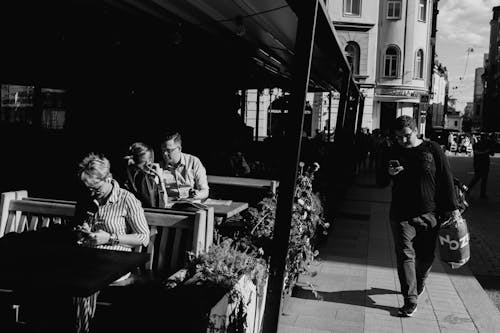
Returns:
point(307, 223)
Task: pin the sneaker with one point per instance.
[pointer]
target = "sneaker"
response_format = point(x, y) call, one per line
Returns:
point(408, 310)
point(420, 290)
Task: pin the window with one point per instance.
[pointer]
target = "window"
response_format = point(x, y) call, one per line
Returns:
point(394, 9)
point(352, 55)
point(53, 108)
point(419, 64)
point(17, 104)
point(391, 60)
point(352, 7)
point(422, 10)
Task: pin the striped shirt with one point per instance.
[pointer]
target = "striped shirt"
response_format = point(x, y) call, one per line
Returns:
point(188, 174)
point(122, 214)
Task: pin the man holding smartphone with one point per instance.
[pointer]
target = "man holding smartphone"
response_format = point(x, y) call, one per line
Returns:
point(422, 191)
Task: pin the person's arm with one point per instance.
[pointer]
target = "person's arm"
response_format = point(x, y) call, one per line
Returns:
point(137, 222)
point(446, 200)
point(200, 181)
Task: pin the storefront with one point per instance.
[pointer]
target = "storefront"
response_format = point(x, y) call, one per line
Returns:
point(392, 102)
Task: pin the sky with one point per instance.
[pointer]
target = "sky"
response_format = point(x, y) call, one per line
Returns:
point(463, 24)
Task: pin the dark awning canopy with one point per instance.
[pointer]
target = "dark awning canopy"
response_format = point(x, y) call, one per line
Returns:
point(262, 33)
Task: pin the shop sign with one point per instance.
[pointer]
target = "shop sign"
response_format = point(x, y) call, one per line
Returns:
point(400, 92)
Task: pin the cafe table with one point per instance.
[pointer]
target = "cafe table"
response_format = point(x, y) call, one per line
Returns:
point(226, 208)
point(46, 269)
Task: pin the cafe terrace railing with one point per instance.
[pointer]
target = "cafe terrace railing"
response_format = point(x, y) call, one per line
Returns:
point(173, 232)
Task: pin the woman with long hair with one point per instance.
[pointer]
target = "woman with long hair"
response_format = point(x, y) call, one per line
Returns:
point(144, 177)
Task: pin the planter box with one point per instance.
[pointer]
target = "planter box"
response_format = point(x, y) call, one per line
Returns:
point(240, 306)
point(227, 309)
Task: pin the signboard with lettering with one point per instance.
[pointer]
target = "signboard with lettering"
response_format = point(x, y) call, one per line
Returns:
point(401, 92)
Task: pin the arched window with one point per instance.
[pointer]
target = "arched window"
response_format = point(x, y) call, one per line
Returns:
point(391, 62)
point(352, 7)
point(419, 64)
point(352, 55)
point(422, 10)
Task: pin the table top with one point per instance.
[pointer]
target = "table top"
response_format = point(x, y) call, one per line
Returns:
point(33, 261)
point(230, 210)
point(241, 181)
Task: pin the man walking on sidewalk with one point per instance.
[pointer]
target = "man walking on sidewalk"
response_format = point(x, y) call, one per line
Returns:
point(422, 190)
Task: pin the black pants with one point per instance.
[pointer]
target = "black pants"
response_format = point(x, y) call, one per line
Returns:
point(480, 173)
point(415, 241)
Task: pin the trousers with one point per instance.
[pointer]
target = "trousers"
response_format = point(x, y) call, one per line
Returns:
point(414, 243)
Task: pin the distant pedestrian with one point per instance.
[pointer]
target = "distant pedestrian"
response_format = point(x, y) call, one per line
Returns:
point(482, 151)
point(422, 190)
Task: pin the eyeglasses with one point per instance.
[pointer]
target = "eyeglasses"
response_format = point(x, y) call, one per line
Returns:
point(406, 136)
point(96, 187)
point(169, 151)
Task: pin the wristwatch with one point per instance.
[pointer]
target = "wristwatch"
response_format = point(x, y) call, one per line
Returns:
point(113, 239)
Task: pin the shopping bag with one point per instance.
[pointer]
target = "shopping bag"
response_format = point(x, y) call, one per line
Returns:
point(453, 239)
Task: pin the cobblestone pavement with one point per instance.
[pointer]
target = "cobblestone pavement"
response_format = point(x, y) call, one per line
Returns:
point(483, 218)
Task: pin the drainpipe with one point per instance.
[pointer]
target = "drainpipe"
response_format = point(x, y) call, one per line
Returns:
point(404, 45)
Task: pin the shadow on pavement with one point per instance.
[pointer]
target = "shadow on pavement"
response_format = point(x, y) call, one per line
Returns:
point(352, 297)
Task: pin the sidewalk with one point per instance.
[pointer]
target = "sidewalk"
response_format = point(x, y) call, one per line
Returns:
point(356, 281)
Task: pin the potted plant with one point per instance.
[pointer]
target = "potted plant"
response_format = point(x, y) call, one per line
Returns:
point(307, 225)
point(236, 280)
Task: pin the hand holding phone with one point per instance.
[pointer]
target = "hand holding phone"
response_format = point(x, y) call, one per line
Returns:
point(394, 167)
point(394, 163)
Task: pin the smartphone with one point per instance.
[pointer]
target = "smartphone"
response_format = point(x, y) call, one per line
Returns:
point(394, 163)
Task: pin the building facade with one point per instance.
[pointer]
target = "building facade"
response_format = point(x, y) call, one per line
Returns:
point(405, 50)
point(491, 114)
point(476, 115)
point(439, 99)
point(390, 45)
point(356, 23)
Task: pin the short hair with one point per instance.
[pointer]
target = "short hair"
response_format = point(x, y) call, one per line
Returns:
point(176, 136)
point(95, 165)
point(137, 150)
point(404, 121)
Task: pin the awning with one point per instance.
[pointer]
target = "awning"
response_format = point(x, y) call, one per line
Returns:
point(266, 31)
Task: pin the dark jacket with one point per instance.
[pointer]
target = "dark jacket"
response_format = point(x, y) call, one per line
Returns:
point(426, 183)
point(144, 187)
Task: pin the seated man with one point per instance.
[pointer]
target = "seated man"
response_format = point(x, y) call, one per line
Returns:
point(184, 175)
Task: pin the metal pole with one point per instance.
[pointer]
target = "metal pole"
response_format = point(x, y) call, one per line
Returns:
point(341, 111)
point(361, 100)
point(257, 116)
point(330, 96)
point(301, 69)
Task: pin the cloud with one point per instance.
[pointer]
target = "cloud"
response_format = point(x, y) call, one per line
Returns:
point(465, 21)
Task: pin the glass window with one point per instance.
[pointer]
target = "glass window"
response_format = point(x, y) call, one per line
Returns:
point(352, 7)
point(17, 104)
point(394, 9)
point(352, 55)
point(422, 10)
point(53, 108)
point(391, 60)
point(419, 64)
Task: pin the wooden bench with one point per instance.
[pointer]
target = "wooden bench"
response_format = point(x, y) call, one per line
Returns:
point(173, 232)
point(267, 184)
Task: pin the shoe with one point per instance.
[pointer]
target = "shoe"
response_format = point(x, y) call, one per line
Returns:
point(420, 290)
point(407, 310)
